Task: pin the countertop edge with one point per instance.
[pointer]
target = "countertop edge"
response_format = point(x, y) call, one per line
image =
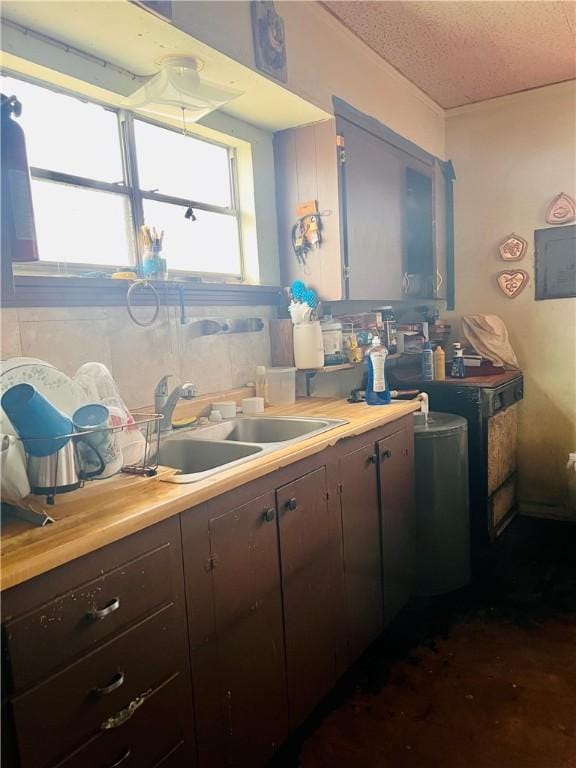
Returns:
point(47, 548)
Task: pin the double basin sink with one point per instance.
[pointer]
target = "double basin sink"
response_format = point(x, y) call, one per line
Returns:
point(201, 452)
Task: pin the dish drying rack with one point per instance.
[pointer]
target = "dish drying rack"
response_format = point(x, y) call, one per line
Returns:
point(148, 424)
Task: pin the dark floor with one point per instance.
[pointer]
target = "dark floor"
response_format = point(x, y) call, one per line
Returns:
point(482, 679)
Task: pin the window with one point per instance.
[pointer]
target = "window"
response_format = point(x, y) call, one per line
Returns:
point(99, 174)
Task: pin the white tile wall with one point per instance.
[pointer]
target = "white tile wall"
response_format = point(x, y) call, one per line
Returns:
point(138, 357)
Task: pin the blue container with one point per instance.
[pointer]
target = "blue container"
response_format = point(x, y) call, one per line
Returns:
point(33, 416)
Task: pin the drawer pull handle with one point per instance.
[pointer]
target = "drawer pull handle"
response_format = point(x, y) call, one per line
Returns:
point(116, 682)
point(291, 504)
point(100, 613)
point(387, 454)
point(269, 515)
point(125, 714)
point(123, 757)
point(372, 459)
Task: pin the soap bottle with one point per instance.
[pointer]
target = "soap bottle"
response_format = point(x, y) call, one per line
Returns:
point(439, 364)
point(377, 392)
point(427, 362)
point(458, 370)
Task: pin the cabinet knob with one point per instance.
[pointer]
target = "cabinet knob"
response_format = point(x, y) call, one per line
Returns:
point(113, 685)
point(372, 459)
point(269, 515)
point(387, 454)
point(291, 504)
point(100, 613)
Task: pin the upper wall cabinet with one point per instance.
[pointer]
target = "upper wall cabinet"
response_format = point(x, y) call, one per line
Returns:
point(386, 205)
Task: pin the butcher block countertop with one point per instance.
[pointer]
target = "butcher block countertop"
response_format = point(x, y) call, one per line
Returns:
point(106, 511)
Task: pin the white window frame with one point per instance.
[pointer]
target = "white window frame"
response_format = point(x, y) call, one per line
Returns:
point(130, 187)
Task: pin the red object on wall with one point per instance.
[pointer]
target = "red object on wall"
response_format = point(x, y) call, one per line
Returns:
point(18, 228)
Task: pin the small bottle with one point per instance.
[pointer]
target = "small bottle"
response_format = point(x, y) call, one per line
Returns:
point(377, 392)
point(458, 370)
point(427, 362)
point(439, 364)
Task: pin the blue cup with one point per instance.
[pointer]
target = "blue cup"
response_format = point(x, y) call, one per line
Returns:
point(33, 417)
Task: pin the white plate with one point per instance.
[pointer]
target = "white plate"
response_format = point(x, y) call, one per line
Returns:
point(56, 387)
point(16, 362)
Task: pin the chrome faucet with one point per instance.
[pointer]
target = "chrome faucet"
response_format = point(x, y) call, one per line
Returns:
point(164, 402)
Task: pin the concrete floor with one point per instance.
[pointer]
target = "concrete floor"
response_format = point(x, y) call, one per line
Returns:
point(482, 679)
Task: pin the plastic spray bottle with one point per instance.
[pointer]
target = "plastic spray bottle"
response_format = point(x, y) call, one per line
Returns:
point(377, 392)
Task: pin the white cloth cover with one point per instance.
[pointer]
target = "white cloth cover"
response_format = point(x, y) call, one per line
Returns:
point(488, 336)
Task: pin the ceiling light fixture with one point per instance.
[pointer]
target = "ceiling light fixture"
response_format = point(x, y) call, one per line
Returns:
point(179, 85)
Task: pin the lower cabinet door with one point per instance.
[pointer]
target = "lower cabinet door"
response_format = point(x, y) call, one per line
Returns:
point(362, 555)
point(239, 672)
point(396, 471)
point(310, 553)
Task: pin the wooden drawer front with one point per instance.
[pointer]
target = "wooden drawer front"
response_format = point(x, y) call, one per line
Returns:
point(70, 707)
point(59, 631)
point(150, 738)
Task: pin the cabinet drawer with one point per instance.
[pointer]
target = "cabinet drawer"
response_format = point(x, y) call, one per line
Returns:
point(154, 736)
point(70, 707)
point(59, 631)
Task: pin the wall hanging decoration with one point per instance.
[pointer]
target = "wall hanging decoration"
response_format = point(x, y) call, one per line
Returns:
point(562, 210)
point(555, 262)
point(512, 282)
point(269, 41)
point(513, 248)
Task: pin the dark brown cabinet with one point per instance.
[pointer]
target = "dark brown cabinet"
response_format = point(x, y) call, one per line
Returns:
point(311, 582)
point(256, 601)
point(96, 667)
point(361, 542)
point(393, 237)
point(396, 464)
point(240, 693)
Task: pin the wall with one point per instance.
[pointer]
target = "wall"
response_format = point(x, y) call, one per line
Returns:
point(512, 156)
point(324, 60)
point(139, 357)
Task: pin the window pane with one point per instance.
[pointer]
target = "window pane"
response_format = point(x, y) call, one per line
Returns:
point(67, 135)
point(209, 244)
point(79, 225)
point(181, 166)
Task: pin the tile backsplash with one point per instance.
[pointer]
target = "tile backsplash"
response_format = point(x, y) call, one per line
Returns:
point(138, 357)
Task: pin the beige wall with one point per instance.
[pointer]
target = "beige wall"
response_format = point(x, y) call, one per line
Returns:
point(324, 60)
point(139, 357)
point(512, 156)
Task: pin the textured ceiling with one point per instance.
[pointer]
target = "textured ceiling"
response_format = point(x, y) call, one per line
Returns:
point(470, 50)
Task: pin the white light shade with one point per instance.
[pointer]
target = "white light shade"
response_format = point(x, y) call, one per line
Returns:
point(179, 85)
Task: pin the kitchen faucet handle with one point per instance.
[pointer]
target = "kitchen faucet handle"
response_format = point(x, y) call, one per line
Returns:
point(161, 389)
point(188, 391)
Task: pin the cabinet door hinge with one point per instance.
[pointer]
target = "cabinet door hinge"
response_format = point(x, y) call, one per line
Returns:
point(346, 272)
point(211, 562)
point(340, 488)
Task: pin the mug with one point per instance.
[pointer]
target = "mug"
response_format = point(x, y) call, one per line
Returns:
point(94, 419)
point(33, 417)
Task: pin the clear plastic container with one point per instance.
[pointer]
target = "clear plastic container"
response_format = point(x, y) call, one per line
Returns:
point(280, 386)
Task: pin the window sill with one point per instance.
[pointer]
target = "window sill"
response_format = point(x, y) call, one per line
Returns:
point(45, 291)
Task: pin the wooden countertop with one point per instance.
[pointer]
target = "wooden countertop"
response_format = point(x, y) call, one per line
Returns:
point(106, 511)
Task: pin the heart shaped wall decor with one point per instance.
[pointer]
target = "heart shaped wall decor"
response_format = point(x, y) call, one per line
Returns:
point(561, 210)
point(512, 282)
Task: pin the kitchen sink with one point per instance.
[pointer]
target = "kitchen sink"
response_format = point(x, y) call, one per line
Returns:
point(265, 430)
point(199, 457)
point(203, 451)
